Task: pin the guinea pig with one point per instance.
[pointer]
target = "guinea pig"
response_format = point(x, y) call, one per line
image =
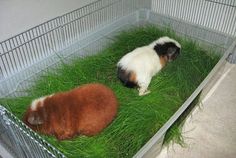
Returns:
point(137, 68)
point(85, 110)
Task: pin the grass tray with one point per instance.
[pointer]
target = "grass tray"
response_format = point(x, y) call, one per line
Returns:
point(139, 118)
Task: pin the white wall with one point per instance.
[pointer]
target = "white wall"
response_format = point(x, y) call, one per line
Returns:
point(17, 16)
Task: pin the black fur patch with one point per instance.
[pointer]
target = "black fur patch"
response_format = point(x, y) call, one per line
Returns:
point(168, 48)
point(124, 78)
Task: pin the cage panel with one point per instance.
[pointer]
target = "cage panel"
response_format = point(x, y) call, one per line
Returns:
point(87, 31)
point(218, 15)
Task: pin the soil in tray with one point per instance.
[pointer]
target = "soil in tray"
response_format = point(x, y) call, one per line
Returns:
point(139, 118)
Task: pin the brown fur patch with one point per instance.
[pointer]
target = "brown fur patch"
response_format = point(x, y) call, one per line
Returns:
point(132, 77)
point(163, 60)
point(128, 78)
point(86, 110)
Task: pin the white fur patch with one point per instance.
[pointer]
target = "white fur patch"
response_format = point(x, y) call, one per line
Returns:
point(51, 95)
point(163, 40)
point(36, 101)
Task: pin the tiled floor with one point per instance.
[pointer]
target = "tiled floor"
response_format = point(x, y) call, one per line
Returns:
point(211, 130)
point(4, 153)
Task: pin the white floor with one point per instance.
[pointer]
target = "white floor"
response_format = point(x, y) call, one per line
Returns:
point(211, 130)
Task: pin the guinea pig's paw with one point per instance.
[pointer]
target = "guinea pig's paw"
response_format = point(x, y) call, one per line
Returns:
point(142, 93)
point(63, 136)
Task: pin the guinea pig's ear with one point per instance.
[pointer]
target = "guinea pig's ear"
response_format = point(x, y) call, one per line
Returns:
point(172, 53)
point(35, 119)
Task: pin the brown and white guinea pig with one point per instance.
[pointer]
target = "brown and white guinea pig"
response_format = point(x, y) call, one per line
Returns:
point(86, 110)
point(139, 66)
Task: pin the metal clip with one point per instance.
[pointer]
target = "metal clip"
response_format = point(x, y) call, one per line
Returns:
point(229, 58)
point(4, 116)
point(2, 111)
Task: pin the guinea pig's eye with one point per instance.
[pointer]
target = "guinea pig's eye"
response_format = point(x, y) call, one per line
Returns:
point(172, 53)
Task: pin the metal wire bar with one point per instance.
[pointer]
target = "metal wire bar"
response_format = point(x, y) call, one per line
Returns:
point(230, 3)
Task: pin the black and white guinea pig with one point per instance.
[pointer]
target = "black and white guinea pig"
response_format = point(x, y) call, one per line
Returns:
point(139, 66)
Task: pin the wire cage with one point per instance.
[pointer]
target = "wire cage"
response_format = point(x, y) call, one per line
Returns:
point(84, 31)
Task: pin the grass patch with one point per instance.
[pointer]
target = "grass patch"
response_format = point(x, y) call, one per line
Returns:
point(139, 118)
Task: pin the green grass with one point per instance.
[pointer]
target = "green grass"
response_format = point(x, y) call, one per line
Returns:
point(139, 118)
